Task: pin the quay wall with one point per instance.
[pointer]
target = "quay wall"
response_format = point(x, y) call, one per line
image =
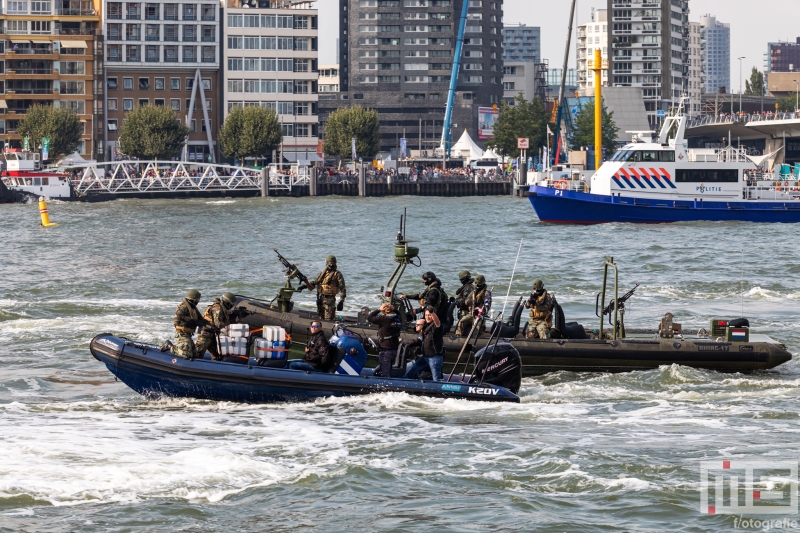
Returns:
point(459, 188)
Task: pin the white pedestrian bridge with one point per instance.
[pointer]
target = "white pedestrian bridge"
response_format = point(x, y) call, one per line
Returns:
point(135, 177)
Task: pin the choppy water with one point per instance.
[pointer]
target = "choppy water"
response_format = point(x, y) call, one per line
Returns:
point(582, 452)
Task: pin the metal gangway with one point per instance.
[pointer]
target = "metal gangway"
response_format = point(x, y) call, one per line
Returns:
point(131, 177)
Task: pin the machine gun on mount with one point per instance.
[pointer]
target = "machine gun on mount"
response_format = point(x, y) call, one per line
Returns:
point(404, 255)
point(284, 297)
point(615, 310)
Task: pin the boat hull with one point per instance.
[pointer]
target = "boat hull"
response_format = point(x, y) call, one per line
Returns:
point(573, 207)
point(544, 356)
point(154, 374)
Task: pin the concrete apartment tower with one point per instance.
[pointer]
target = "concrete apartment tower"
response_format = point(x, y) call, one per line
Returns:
point(270, 59)
point(396, 57)
point(695, 84)
point(522, 44)
point(649, 44)
point(591, 36)
point(51, 53)
point(164, 53)
point(716, 39)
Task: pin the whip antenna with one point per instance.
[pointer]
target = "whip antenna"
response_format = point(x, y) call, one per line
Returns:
point(741, 283)
point(502, 313)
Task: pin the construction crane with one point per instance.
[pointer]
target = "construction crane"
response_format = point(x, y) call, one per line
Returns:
point(451, 94)
point(560, 107)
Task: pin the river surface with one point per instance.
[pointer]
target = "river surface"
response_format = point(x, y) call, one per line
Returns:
point(582, 452)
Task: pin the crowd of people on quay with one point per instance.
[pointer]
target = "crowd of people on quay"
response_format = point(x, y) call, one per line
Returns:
point(415, 174)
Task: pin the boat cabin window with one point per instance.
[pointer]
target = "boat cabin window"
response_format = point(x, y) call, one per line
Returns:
point(620, 155)
point(666, 157)
point(37, 181)
point(45, 181)
point(709, 176)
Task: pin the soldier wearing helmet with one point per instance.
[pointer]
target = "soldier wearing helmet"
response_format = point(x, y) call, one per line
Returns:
point(329, 283)
point(541, 305)
point(219, 316)
point(187, 319)
point(465, 302)
point(432, 295)
point(480, 295)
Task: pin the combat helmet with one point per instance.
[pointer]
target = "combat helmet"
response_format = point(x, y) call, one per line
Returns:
point(480, 280)
point(228, 300)
point(193, 295)
point(538, 285)
point(464, 276)
point(331, 259)
point(428, 277)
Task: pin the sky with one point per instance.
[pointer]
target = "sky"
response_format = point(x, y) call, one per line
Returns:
point(752, 26)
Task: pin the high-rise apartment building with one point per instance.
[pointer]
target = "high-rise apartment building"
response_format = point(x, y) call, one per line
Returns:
point(164, 53)
point(329, 78)
point(522, 43)
point(695, 75)
point(397, 56)
point(51, 53)
point(270, 60)
point(591, 36)
point(649, 44)
point(782, 57)
point(716, 45)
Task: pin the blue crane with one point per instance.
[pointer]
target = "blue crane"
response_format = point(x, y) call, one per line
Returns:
point(451, 94)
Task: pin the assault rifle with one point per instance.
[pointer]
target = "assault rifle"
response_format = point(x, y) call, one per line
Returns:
point(609, 309)
point(239, 313)
point(293, 272)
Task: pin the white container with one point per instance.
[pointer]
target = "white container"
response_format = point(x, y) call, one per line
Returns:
point(269, 349)
point(238, 330)
point(225, 345)
point(241, 346)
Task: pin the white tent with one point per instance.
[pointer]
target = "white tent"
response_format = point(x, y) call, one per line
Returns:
point(490, 154)
point(466, 148)
point(73, 159)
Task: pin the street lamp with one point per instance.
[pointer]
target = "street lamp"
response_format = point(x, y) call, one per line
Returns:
point(740, 83)
point(797, 97)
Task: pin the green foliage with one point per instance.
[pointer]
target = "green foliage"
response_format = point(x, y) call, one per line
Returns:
point(251, 131)
point(582, 133)
point(524, 119)
point(787, 103)
point(348, 122)
point(60, 124)
point(152, 132)
point(755, 86)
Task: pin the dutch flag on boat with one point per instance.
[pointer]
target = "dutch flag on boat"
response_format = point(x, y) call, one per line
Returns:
point(738, 334)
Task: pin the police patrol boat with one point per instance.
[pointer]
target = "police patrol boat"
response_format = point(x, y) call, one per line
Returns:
point(662, 180)
point(266, 378)
point(727, 345)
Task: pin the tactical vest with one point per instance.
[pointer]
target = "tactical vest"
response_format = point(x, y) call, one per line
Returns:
point(329, 284)
point(480, 297)
point(546, 314)
point(208, 314)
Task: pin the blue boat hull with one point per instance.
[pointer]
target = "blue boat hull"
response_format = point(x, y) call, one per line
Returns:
point(146, 370)
point(573, 207)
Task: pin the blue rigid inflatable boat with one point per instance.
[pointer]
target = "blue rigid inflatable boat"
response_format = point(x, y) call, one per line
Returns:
point(149, 372)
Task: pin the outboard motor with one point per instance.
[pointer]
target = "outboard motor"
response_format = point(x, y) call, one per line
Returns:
point(351, 355)
point(510, 328)
point(499, 364)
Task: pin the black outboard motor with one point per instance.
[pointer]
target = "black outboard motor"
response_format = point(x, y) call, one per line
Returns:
point(499, 364)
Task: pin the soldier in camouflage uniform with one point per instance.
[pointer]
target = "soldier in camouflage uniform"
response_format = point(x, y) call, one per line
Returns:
point(465, 302)
point(329, 282)
point(218, 317)
point(541, 305)
point(433, 295)
point(478, 298)
point(187, 320)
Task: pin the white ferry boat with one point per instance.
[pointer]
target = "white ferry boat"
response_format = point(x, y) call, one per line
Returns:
point(662, 180)
point(23, 174)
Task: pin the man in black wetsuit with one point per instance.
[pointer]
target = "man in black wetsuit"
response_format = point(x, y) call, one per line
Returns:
point(389, 327)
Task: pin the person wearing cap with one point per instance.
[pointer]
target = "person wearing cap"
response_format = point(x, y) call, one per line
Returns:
point(541, 305)
point(187, 319)
point(431, 340)
point(317, 357)
point(218, 315)
point(433, 294)
point(329, 283)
